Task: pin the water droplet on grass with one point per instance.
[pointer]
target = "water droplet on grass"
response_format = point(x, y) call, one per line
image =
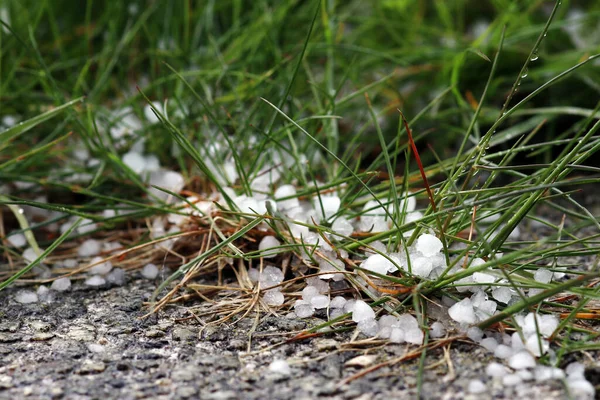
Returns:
point(534, 56)
point(524, 74)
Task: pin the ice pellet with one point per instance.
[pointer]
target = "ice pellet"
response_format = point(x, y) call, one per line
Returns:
point(437, 330)
point(495, 370)
point(521, 360)
point(319, 301)
point(116, 276)
point(26, 297)
point(368, 326)
point(342, 226)
point(362, 311)
point(266, 243)
point(150, 271)
point(90, 247)
point(95, 280)
point(463, 312)
point(61, 284)
point(476, 386)
point(303, 309)
point(543, 275)
point(428, 245)
point(102, 268)
point(273, 297)
point(338, 302)
point(281, 367)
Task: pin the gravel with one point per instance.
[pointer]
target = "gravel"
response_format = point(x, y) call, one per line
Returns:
point(93, 343)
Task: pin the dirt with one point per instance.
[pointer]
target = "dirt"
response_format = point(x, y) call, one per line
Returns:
point(94, 343)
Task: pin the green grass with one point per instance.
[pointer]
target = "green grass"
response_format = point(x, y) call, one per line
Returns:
point(502, 101)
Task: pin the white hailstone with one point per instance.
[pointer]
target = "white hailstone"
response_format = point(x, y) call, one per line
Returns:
point(61, 284)
point(581, 388)
point(543, 275)
point(303, 309)
point(170, 180)
point(116, 276)
point(485, 309)
point(482, 277)
point(463, 312)
point(30, 255)
point(44, 294)
point(388, 321)
point(496, 370)
point(326, 266)
point(502, 294)
point(298, 231)
point(437, 330)
point(462, 285)
point(368, 326)
point(17, 240)
point(90, 247)
point(95, 280)
point(516, 342)
point(489, 343)
point(102, 268)
point(70, 263)
point(414, 336)
point(273, 297)
point(362, 311)
point(135, 161)
point(281, 367)
point(525, 375)
point(533, 344)
point(253, 274)
point(319, 301)
point(86, 226)
point(408, 322)
point(335, 313)
point(575, 369)
point(397, 335)
point(421, 266)
point(266, 243)
point(475, 334)
point(476, 387)
point(349, 306)
point(534, 292)
point(150, 271)
point(558, 275)
point(230, 171)
point(309, 292)
point(411, 204)
point(378, 264)
point(503, 351)
point(149, 113)
point(338, 302)
point(548, 324)
point(286, 191)
point(321, 285)
point(384, 332)
point(342, 226)
point(26, 297)
point(327, 205)
point(373, 218)
point(521, 360)
point(271, 276)
point(152, 163)
point(428, 245)
point(543, 373)
point(511, 380)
